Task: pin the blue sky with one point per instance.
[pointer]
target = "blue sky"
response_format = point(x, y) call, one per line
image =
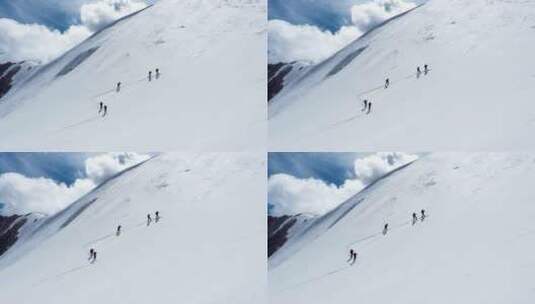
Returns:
point(61, 167)
point(57, 14)
point(329, 167)
point(315, 183)
point(325, 14)
point(49, 182)
point(313, 30)
point(42, 30)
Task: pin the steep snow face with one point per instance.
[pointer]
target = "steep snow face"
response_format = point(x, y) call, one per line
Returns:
point(474, 246)
point(281, 75)
point(12, 73)
point(477, 96)
point(16, 227)
point(210, 94)
point(283, 228)
point(208, 247)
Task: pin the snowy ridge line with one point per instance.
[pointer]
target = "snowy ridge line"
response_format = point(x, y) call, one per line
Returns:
point(44, 230)
point(294, 85)
point(316, 227)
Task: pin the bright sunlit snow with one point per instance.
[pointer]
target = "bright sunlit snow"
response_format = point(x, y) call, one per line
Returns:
point(210, 94)
point(208, 247)
point(478, 94)
point(474, 246)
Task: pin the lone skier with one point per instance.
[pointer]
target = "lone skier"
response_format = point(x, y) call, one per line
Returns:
point(149, 219)
point(365, 105)
point(385, 229)
point(150, 75)
point(118, 230)
point(157, 73)
point(118, 87)
point(423, 215)
point(387, 83)
point(414, 218)
point(157, 217)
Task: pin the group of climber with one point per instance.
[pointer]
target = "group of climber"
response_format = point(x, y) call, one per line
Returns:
point(103, 108)
point(156, 74)
point(156, 218)
point(353, 253)
point(93, 253)
point(367, 108)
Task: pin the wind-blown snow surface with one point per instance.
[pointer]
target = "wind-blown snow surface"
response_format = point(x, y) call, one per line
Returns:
point(208, 247)
point(476, 245)
point(210, 96)
point(478, 95)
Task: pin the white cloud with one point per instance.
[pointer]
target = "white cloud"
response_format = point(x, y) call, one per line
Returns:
point(375, 166)
point(20, 42)
point(289, 195)
point(97, 15)
point(289, 42)
point(20, 194)
point(103, 166)
point(368, 15)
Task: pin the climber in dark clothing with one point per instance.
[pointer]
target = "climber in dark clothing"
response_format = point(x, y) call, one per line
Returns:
point(149, 219)
point(101, 107)
point(118, 86)
point(385, 229)
point(94, 256)
point(118, 230)
point(369, 108)
point(423, 215)
point(157, 73)
point(91, 254)
point(365, 105)
point(150, 75)
point(387, 83)
point(418, 72)
point(157, 216)
point(105, 111)
point(426, 69)
point(414, 218)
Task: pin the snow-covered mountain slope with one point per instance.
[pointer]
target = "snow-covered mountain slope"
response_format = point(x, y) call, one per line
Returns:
point(281, 75)
point(16, 227)
point(475, 246)
point(478, 95)
point(210, 96)
point(208, 247)
point(283, 228)
point(11, 73)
